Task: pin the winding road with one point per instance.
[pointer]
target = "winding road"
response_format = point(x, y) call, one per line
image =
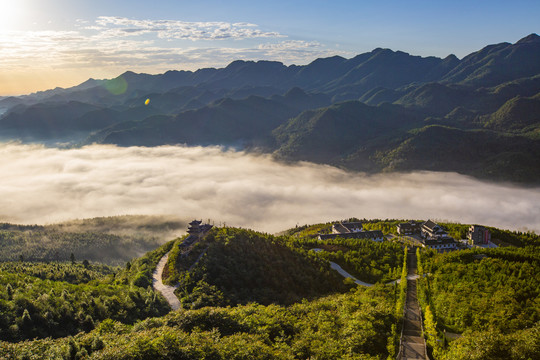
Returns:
point(166, 290)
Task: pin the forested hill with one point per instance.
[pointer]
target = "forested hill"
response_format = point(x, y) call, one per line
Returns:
point(234, 266)
point(109, 240)
point(383, 110)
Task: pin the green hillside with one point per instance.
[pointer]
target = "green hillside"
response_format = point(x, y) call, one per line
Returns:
point(53, 299)
point(236, 266)
point(34, 306)
point(112, 240)
point(395, 138)
point(330, 134)
point(487, 296)
point(249, 295)
point(498, 63)
point(355, 325)
point(517, 114)
point(247, 121)
point(485, 154)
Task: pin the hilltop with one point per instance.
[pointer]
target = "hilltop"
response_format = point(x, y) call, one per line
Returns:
point(236, 266)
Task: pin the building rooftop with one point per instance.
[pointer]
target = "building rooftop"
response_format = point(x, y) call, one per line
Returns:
point(430, 225)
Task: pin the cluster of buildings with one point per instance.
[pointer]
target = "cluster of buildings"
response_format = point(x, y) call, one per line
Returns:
point(435, 236)
point(352, 230)
point(431, 234)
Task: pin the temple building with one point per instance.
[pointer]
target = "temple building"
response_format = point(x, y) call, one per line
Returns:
point(344, 227)
point(431, 230)
point(408, 228)
point(197, 229)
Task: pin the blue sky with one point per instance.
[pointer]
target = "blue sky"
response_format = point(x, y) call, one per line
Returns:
point(48, 43)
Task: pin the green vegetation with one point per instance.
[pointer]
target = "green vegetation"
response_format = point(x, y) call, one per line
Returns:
point(354, 325)
point(225, 121)
point(386, 226)
point(236, 266)
point(71, 273)
point(249, 295)
point(138, 272)
point(367, 260)
point(479, 152)
point(489, 296)
point(515, 238)
point(399, 310)
point(31, 307)
point(60, 299)
point(112, 240)
point(309, 230)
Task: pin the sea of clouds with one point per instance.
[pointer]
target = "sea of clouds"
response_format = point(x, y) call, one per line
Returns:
point(40, 185)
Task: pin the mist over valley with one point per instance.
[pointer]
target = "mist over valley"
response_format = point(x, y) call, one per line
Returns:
point(48, 185)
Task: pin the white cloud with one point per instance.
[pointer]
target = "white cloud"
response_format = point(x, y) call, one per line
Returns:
point(121, 44)
point(291, 44)
point(45, 185)
point(112, 27)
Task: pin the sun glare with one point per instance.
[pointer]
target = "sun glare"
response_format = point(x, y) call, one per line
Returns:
point(11, 14)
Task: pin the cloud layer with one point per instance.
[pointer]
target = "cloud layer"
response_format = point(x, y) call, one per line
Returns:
point(47, 185)
point(111, 45)
point(111, 27)
point(108, 46)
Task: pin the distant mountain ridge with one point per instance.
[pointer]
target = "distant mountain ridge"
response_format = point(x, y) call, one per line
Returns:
point(383, 110)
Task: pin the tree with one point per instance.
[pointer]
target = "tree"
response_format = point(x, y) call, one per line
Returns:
point(430, 327)
point(9, 291)
point(72, 258)
point(26, 321)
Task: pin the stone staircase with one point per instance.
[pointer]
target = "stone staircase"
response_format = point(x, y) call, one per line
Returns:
point(413, 345)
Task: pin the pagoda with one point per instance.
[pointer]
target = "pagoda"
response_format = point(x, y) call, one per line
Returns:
point(194, 227)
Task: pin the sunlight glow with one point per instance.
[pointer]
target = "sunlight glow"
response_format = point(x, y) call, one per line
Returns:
point(11, 14)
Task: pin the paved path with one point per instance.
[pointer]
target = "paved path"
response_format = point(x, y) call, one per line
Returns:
point(166, 290)
point(412, 343)
point(343, 273)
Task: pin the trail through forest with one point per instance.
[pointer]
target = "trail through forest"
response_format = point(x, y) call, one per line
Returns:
point(166, 290)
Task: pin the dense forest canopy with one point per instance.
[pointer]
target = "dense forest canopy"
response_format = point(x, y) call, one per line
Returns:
point(247, 294)
point(489, 296)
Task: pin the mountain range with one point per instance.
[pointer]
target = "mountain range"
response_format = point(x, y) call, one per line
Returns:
point(379, 111)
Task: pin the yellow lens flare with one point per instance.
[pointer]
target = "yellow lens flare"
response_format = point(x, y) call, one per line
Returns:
point(147, 102)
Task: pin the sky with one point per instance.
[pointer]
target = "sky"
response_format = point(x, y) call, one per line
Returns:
point(50, 43)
